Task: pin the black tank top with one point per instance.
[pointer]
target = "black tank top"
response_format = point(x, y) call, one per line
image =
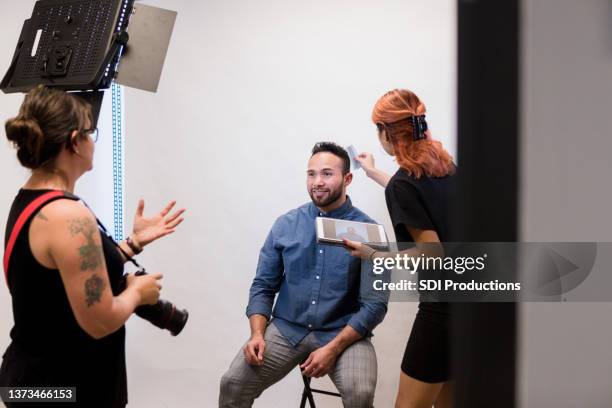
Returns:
point(48, 346)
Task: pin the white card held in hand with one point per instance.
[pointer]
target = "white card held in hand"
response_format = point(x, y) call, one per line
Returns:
point(352, 152)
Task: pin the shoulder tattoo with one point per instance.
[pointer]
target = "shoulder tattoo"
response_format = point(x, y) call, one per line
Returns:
point(91, 253)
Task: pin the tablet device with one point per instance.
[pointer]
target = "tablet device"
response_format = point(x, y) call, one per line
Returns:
point(332, 231)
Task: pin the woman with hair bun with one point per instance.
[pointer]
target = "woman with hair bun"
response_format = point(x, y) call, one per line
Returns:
point(63, 274)
point(417, 196)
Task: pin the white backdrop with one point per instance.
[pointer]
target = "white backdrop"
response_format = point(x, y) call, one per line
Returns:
point(248, 88)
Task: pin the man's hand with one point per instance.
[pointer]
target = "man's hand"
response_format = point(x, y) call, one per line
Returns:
point(254, 350)
point(319, 362)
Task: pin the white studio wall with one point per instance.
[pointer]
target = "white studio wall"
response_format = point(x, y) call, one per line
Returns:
point(248, 88)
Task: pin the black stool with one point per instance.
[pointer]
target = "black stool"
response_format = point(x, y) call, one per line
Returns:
point(307, 393)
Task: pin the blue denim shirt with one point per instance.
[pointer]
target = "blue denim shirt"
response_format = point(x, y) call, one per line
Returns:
point(318, 286)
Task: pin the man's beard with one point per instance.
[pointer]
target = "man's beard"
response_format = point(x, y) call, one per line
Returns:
point(332, 196)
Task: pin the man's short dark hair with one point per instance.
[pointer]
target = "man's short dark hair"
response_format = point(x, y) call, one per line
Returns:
point(331, 147)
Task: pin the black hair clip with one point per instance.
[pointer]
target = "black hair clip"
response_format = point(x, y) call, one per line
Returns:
point(419, 127)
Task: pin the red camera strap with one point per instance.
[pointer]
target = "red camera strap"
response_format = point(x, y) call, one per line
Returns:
point(23, 218)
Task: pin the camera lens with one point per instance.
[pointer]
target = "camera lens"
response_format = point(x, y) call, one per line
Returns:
point(164, 315)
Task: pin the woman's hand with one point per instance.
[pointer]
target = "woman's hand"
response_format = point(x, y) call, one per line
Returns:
point(147, 230)
point(147, 286)
point(358, 249)
point(366, 160)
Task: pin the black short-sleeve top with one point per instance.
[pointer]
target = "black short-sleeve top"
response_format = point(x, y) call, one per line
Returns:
point(422, 203)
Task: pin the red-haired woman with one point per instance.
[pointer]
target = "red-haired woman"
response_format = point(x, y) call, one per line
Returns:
point(417, 197)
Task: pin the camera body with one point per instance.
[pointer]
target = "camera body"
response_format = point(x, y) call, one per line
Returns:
point(163, 314)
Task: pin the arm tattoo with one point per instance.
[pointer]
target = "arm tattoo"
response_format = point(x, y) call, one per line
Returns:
point(41, 216)
point(94, 287)
point(91, 254)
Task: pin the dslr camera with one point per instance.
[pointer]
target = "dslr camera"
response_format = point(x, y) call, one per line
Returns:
point(163, 314)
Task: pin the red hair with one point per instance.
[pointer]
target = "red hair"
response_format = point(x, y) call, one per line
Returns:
point(425, 156)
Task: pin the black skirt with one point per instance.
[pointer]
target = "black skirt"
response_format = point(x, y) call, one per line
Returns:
point(427, 355)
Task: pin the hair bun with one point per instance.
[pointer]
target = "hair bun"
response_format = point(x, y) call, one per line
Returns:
point(27, 136)
point(19, 129)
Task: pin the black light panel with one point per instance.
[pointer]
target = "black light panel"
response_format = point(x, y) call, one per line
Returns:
point(77, 45)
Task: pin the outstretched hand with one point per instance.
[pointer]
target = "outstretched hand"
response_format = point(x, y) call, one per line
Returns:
point(147, 230)
point(366, 160)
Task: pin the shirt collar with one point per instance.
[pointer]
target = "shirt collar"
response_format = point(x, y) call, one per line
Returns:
point(337, 213)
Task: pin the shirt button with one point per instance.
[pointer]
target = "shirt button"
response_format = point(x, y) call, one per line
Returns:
point(320, 251)
point(317, 277)
point(314, 302)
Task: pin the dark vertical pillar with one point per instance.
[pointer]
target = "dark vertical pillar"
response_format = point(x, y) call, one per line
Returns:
point(484, 335)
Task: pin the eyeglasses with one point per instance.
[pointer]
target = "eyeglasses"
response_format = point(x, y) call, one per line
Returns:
point(93, 133)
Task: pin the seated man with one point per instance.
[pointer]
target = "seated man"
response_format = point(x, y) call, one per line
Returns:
point(319, 319)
